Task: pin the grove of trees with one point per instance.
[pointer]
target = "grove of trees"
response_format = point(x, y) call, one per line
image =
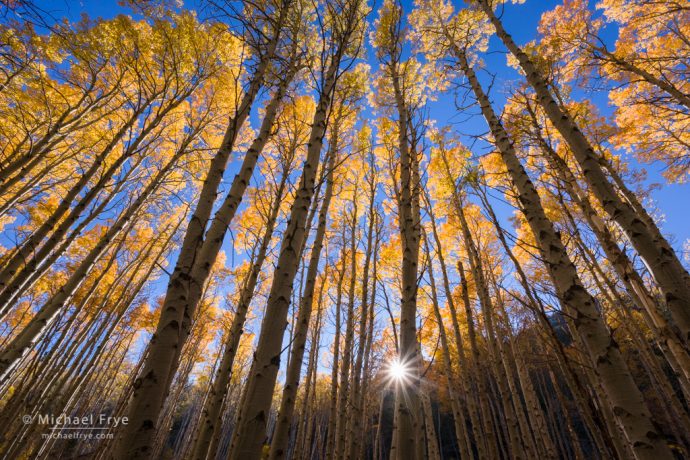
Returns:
point(344, 229)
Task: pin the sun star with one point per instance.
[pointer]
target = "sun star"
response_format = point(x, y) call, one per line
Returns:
point(398, 371)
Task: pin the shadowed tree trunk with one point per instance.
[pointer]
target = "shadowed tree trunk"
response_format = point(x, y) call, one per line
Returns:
point(208, 438)
point(250, 432)
point(621, 392)
point(151, 388)
point(669, 273)
point(279, 443)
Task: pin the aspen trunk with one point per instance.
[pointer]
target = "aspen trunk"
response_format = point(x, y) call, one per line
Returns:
point(669, 273)
point(279, 443)
point(355, 420)
point(457, 406)
point(47, 312)
point(516, 391)
point(370, 336)
point(489, 433)
point(579, 455)
point(620, 389)
point(346, 365)
point(251, 426)
point(152, 387)
point(508, 356)
point(476, 264)
point(475, 418)
point(432, 452)
point(333, 405)
point(210, 430)
point(305, 428)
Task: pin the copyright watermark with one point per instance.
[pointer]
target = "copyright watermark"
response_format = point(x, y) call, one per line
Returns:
point(77, 436)
point(65, 426)
point(93, 421)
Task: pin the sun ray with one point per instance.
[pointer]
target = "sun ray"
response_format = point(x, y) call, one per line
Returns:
point(399, 371)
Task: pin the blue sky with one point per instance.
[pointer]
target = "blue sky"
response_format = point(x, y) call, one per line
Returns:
point(521, 21)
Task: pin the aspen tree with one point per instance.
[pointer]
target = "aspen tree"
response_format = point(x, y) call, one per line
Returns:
point(152, 385)
point(649, 90)
point(162, 99)
point(209, 434)
point(346, 366)
point(461, 432)
point(669, 273)
point(250, 432)
point(622, 393)
point(368, 359)
point(304, 442)
point(355, 420)
point(333, 399)
point(459, 343)
point(287, 402)
point(389, 41)
point(478, 272)
point(42, 319)
point(675, 349)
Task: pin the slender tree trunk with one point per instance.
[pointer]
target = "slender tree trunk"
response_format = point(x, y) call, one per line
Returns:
point(251, 427)
point(346, 365)
point(456, 403)
point(668, 271)
point(432, 452)
point(305, 428)
point(333, 400)
point(476, 264)
point(620, 389)
point(369, 339)
point(279, 444)
point(209, 435)
point(355, 419)
point(489, 433)
point(575, 441)
point(508, 357)
point(475, 418)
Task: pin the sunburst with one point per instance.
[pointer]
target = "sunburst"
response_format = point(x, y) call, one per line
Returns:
point(399, 371)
